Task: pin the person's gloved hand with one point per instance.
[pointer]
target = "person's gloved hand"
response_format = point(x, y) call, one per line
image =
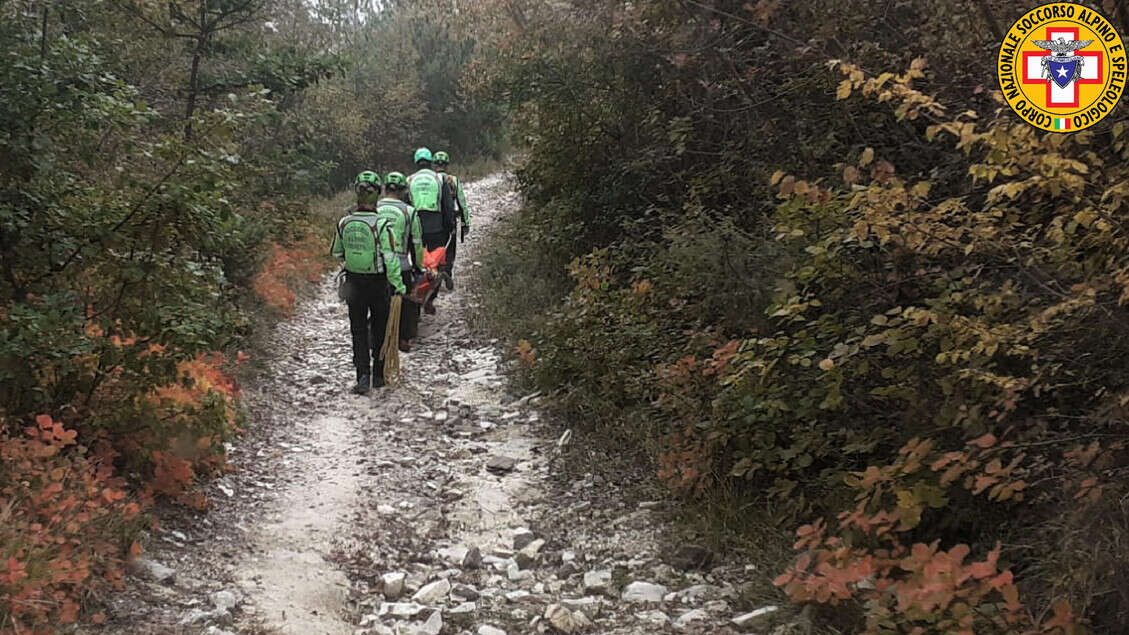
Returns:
point(463, 232)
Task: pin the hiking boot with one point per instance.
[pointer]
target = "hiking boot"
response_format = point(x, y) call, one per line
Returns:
point(429, 307)
point(405, 346)
point(362, 385)
point(449, 282)
point(378, 380)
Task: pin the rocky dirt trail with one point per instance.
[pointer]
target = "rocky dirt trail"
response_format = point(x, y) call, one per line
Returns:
point(441, 506)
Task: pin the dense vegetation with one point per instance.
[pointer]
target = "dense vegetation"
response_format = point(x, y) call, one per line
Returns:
point(157, 163)
point(798, 251)
point(812, 260)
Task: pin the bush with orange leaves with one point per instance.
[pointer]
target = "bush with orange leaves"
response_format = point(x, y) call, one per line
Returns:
point(67, 520)
point(289, 269)
point(63, 518)
point(66, 516)
point(173, 431)
point(188, 422)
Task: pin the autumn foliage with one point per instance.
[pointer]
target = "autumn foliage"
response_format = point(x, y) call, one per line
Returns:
point(288, 269)
point(154, 198)
point(816, 262)
point(68, 514)
point(65, 516)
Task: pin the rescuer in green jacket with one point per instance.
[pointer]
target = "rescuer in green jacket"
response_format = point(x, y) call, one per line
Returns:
point(462, 213)
point(406, 234)
point(426, 196)
point(372, 271)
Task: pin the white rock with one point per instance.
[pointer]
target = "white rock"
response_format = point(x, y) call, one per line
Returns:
point(699, 592)
point(414, 580)
point(433, 593)
point(393, 585)
point(152, 570)
point(433, 625)
point(528, 557)
point(195, 616)
point(462, 557)
point(597, 581)
point(589, 606)
point(689, 617)
point(517, 596)
point(515, 574)
point(385, 510)
point(759, 617)
point(655, 617)
point(533, 549)
point(453, 555)
point(224, 600)
point(716, 606)
point(486, 629)
point(499, 564)
point(400, 609)
point(644, 592)
point(564, 620)
point(464, 608)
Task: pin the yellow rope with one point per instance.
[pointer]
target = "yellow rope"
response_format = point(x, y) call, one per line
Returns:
point(390, 351)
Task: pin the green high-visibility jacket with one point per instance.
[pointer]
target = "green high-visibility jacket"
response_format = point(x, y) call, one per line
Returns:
point(364, 242)
point(405, 233)
point(423, 186)
point(460, 198)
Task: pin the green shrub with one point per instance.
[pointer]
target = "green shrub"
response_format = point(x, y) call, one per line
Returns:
point(853, 301)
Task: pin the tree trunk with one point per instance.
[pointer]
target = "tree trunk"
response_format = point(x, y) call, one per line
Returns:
point(193, 87)
point(43, 35)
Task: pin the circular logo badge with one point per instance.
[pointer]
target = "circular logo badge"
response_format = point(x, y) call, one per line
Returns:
point(1062, 67)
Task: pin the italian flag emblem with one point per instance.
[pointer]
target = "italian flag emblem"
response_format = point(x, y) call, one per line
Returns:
point(1062, 123)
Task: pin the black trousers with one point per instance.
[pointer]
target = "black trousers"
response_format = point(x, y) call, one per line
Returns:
point(369, 302)
point(450, 266)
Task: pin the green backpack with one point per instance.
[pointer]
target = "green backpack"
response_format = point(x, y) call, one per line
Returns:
point(425, 192)
point(362, 251)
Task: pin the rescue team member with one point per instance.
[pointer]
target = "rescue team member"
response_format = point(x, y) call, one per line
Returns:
point(407, 242)
point(462, 213)
point(426, 195)
point(372, 270)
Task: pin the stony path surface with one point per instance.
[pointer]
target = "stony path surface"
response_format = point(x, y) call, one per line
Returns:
point(436, 507)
